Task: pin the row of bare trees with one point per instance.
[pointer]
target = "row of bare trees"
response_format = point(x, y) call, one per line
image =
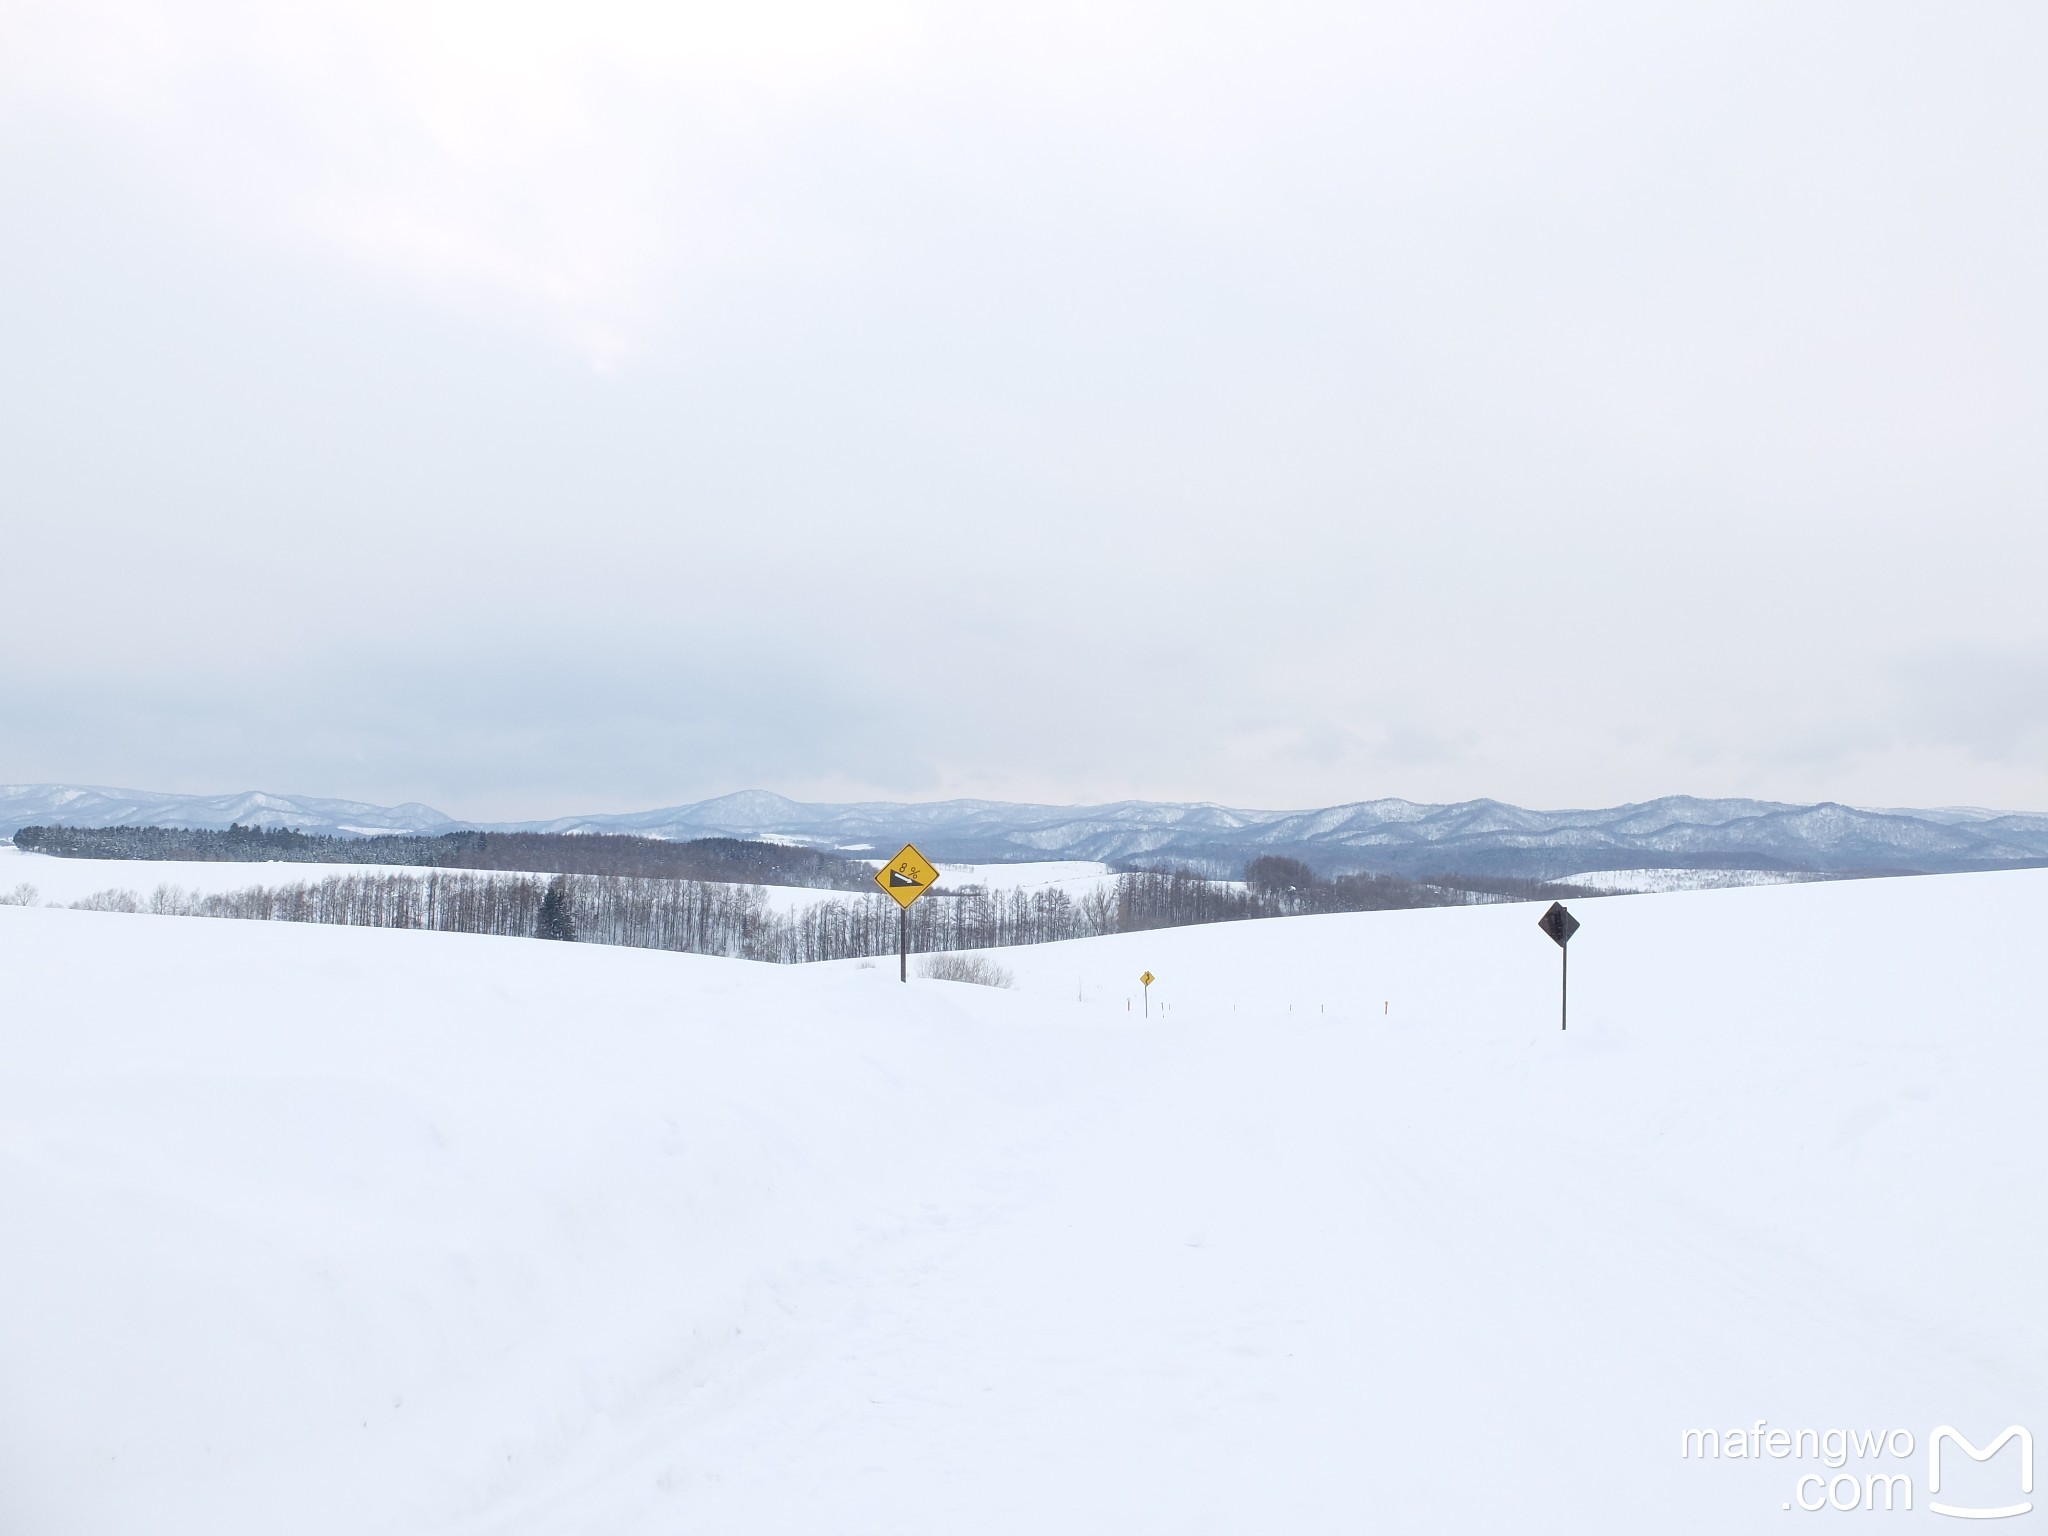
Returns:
point(692, 916)
point(740, 921)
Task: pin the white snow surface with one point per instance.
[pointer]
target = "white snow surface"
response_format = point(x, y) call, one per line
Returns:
point(60, 881)
point(1641, 881)
point(1075, 876)
point(322, 1230)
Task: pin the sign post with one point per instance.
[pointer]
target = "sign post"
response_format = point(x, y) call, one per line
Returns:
point(1146, 981)
point(1561, 925)
point(906, 877)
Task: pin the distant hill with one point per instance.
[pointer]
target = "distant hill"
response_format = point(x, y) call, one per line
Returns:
point(1481, 837)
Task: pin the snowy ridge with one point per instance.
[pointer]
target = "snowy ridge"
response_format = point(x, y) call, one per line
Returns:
point(1393, 836)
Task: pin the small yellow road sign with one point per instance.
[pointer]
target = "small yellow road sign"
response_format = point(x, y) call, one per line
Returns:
point(1147, 979)
point(907, 876)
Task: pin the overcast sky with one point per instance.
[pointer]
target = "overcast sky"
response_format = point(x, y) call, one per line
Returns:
point(546, 408)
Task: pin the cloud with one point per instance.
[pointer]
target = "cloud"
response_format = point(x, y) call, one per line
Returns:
point(1990, 702)
point(574, 166)
point(1275, 404)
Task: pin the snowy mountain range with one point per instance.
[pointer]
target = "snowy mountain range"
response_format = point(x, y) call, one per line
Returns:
point(73, 805)
point(1397, 836)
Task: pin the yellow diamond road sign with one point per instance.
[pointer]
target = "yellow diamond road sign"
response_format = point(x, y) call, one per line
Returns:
point(1146, 980)
point(907, 876)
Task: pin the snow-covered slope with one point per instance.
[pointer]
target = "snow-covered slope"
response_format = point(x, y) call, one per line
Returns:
point(340, 1231)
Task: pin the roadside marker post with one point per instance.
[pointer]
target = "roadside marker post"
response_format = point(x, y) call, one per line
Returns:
point(1561, 925)
point(906, 877)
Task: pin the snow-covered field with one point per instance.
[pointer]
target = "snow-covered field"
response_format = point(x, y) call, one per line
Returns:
point(342, 1231)
point(62, 881)
point(1626, 881)
point(59, 882)
point(1075, 876)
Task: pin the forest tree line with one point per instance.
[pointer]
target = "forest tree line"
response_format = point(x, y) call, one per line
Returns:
point(548, 853)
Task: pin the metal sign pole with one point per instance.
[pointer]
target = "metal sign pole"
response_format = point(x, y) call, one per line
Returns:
point(1561, 925)
point(906, 877)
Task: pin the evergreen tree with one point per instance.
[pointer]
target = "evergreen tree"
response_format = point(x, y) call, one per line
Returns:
point(555, 919)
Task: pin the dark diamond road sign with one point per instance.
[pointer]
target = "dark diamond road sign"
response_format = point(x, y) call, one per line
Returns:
point(1559, 924)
